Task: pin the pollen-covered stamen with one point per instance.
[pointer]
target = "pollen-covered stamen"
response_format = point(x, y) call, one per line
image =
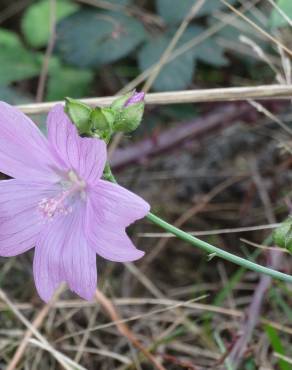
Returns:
point(62, 203)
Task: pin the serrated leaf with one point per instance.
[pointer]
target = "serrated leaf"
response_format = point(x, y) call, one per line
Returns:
point(90, 39)
point(35, 23)
point(174, 14)
point(277, 19)
point(68, 81)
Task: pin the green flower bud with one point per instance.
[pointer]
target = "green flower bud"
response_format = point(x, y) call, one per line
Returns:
point(102, 120)
point(129, 118)
point(79, 114)
point(282, 236)
point(121, 101)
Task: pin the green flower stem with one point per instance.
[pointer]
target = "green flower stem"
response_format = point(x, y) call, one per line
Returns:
point(209, 248)
point(217, 251)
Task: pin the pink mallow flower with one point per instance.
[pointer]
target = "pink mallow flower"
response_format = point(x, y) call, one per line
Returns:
point(58, 203)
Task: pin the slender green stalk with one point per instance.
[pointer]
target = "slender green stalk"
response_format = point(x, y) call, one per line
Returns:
point(209, 248)
point(217, 251)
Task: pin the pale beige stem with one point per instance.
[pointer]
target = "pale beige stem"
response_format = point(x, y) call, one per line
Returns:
point(182, 97)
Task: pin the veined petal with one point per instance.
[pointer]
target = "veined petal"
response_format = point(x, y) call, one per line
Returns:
point(62, 254)
point(113, 243)
point(20, 220)
point(24, 151)
point(117, 205)
point(110, 209)
point(86, 156)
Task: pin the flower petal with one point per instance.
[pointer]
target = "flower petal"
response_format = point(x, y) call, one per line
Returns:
point(116, 204)
point(113, 244)
point(110, 209)
point(20, 221)
point(62, 254)
point(24, 151)
point(87, 156)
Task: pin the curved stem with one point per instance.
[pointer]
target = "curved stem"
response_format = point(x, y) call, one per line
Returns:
point(217, 251)
point(209, 248)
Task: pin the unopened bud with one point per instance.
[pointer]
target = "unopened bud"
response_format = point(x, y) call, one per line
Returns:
point(128, 111)
point(282, 236)
point(79, 114)
point(102, 120)
point(137, 97)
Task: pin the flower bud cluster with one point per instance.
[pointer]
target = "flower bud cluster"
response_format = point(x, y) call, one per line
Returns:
point(123, 115)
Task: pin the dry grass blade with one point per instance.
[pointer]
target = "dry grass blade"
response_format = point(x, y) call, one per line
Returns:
point(182, 97)
point(62, 359)
point(259, 29)
point(124, 330)
point(37, 322)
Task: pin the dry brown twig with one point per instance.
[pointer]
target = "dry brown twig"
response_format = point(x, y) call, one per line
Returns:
point(124, 329)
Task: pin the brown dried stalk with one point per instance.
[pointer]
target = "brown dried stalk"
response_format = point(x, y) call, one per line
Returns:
point(124, 329)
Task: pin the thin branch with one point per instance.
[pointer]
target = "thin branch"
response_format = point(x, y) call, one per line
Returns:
point(182, 97)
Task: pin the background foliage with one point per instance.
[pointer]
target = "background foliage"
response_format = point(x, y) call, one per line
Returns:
point(122, 41)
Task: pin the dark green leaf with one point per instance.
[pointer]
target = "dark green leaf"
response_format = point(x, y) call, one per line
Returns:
point(210, 52)
point(120, 2)
point(176, 74)
point(16, 65)
point(173, 13)
point(9, 38)
point(277, 19)
point(90, 39)
point(35, 22)
point(12, 96)
point(68, 81)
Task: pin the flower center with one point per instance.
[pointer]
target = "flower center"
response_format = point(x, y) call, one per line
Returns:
point(73, 188)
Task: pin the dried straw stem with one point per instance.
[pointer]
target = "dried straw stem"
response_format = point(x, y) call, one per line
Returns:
point(185, 96)
point(123, 328)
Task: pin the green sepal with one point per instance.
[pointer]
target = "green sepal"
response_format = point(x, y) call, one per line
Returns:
point(120, 102)
point(102, 120)
point(79, 113)
point(282, 236)
point(129, 118)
